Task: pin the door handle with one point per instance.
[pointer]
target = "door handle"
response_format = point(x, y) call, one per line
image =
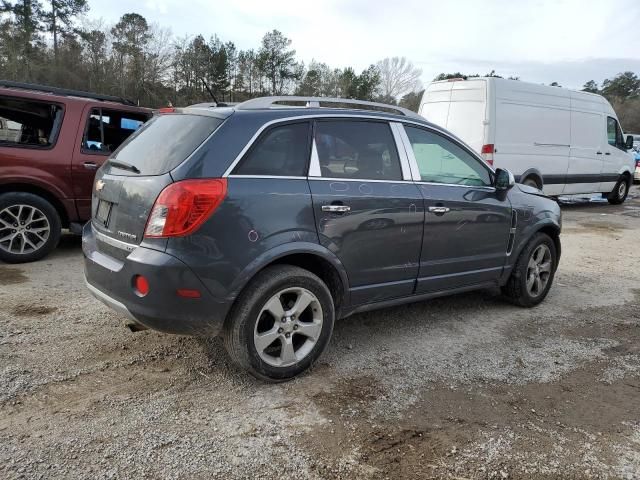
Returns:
point(439, 210)
point(336, 208)
point(91, 166)
point(598, 153)
point(607, 153)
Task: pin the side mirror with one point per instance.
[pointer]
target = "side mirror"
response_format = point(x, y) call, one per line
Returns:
point(504, 180)
point(629, 143)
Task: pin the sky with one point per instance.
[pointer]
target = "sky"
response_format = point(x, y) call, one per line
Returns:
point(541, 41)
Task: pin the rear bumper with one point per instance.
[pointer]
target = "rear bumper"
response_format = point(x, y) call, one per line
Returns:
point(111, 281)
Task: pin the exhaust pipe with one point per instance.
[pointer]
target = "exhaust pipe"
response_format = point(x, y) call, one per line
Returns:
point(134, 326)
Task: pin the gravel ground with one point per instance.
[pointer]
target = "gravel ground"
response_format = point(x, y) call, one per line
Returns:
point(461, 387)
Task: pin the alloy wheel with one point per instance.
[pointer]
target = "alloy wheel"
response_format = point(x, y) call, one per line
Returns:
point(539, 270)
point(288, 327)
point(24, 229)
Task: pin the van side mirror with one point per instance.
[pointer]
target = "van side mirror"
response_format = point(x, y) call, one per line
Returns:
point(629, 143)
point(504, 179)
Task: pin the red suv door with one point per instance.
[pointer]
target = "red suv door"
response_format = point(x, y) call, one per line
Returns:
point(103, 129)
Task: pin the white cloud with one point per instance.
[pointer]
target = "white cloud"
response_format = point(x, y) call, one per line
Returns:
point(535, 39)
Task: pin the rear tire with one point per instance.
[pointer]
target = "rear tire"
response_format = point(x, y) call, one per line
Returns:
point(280, 324)
point(30, 227)
point(533, 273)
point(619, 193)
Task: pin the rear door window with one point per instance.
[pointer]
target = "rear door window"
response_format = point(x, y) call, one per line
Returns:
point(280, 151)
point(27, 123)
point(358, 150)
point(442, 161)
point(107, 129)
point(164, 142)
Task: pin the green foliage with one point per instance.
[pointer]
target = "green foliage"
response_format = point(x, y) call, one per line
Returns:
point(623, 85)
point(412, 100)
point(591, 86)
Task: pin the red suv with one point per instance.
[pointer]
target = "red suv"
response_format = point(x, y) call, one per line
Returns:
point(52, 141)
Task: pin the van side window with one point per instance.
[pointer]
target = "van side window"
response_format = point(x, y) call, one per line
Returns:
point(614, 133)
point(106, 130)
point(442, 161)
point(358, 150)
point(281, 151)
point(27, 123)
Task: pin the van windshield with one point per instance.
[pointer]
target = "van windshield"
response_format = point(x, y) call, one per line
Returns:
point(162, 144)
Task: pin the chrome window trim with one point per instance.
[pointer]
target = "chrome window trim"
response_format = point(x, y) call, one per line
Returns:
point(288, 177)
point(402, 151)
point(360, 180)
point(475, 187)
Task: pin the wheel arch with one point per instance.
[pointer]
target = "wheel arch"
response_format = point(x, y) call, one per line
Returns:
point(312, 257)
point(533, 173)
point(41, 192)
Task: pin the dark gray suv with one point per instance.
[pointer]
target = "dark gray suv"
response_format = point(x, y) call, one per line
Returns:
point(268, 221)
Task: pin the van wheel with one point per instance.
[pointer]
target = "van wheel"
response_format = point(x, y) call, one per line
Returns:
point(531, 182)
point(30, 227)
point(533, 272)
point(619, 192)
point(280, 324)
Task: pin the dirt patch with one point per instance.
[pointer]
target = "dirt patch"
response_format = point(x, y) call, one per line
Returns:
point(11, 276)
point(32, 310)
point(603, 227)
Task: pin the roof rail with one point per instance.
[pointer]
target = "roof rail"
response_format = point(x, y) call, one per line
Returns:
point(315, 102)
point(65, 92)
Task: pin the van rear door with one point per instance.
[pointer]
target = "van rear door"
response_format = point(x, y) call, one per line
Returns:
point(460, 107)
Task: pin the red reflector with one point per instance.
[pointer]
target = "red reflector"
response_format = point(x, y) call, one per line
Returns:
point(141, 285)
point(166, 110)
point(487, 148)
point(183, 206)
point(188, 293)
point(490, 162)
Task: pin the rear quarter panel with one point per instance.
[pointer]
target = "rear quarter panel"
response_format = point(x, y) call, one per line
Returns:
point(257, 216)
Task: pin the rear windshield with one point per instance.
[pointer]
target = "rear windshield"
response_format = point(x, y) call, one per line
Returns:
point(163, 143)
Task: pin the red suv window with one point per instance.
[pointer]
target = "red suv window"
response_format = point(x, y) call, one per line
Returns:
point(28, 123)
point(106, 129)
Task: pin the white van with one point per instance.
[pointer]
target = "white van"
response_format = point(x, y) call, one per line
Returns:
point(561, 141)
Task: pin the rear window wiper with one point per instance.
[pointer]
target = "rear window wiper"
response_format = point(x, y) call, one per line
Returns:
point(124, 166)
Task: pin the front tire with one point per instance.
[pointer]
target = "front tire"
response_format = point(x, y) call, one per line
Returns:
point(280, 324)
point(619, 193)
point(533, 272)
point(531, 182)
point(30, 227)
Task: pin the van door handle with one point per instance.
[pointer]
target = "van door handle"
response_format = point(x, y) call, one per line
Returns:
point(90, 166)
point(607, 153)
point(598, 153)
point(439, 210)
point(336, 208)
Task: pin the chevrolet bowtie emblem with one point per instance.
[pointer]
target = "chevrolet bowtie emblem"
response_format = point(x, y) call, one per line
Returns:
point(99, 185)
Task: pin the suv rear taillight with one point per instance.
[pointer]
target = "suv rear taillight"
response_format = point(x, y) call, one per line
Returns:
point(183, 206)
point(487, 153)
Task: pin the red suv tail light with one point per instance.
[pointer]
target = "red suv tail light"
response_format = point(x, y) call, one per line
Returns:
point(183, 206)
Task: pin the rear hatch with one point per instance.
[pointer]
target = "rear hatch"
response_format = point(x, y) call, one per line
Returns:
point(129, 183)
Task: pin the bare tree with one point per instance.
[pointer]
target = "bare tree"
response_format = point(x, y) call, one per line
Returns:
point(398, 76)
